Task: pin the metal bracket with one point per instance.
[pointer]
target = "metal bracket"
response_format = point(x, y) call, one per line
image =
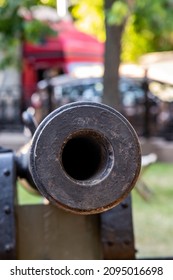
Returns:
point(7, 199)
point(117, 232)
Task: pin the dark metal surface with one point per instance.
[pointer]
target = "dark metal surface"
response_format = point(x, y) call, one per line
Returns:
point(85, 157)
point(7, 197)
point(117, 232)
point(29, 121)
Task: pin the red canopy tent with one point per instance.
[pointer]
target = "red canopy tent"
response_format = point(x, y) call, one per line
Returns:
point(68, 47)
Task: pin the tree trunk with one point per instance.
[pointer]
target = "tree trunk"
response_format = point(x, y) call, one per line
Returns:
point(112, 62)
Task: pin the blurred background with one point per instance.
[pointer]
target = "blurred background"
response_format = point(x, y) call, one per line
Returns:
point(116, 52)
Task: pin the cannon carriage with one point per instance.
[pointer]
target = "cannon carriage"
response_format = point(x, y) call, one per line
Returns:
point(85, 159)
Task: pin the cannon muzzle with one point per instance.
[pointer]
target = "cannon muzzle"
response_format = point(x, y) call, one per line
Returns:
point(85, 157)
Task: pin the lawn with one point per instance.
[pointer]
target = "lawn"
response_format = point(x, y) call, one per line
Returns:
point(152, 218)
point(25, 197)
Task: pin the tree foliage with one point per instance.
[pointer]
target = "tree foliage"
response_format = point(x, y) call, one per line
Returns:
point(148, 29)
point(14, 29)
point(148, 23)
point(117, 13)
point(89, 16)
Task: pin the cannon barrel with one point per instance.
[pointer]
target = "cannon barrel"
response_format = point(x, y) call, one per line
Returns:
point(85, 157)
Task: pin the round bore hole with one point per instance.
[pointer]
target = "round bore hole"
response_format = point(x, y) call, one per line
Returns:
point(86, 155)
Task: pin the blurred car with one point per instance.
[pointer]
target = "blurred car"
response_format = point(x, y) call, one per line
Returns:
point(65, 89)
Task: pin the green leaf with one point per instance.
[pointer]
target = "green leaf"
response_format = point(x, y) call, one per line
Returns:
point(117, 13)
point(13, 28)
point(36, 31)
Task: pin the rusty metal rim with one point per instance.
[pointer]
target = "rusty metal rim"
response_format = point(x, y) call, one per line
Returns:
point(53, 198)
point(103, 172)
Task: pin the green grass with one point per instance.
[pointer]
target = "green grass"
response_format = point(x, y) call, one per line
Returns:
point(153, 219)
point(25, 197)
